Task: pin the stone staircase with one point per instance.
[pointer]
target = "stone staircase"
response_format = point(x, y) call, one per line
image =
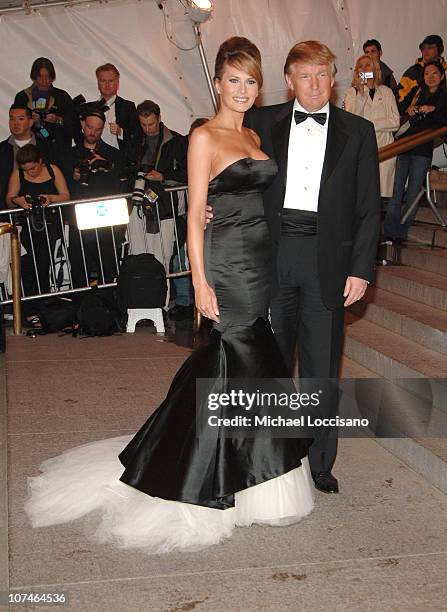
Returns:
point(399, 331)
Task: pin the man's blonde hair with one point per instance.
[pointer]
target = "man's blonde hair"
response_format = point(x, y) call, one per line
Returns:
point(310, 52)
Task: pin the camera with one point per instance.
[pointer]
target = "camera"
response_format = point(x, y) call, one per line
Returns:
point(139, 188)
point(35, 201)
point(141, 196)
point(418, 114)
point(364, 76)
point(36, 213)
point(89, 165)
point(41, 127)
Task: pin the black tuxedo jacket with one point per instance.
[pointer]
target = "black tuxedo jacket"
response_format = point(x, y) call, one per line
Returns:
point(126, 118)
point(349, 200)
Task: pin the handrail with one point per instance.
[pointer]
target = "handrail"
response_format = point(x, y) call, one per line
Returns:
point(409, 142)
point(8, 228)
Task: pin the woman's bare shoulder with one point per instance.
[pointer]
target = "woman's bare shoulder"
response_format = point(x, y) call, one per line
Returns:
point(253, 136)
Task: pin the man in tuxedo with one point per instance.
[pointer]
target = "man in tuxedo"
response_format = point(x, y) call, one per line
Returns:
point(121, 117)
point(323, 211)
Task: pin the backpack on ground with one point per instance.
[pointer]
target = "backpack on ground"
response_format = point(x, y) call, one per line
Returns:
point(98, 315)
point(141, 283)
point(56, 314)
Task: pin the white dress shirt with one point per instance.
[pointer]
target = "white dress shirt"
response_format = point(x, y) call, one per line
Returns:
point(307, 147)
point(107, 136)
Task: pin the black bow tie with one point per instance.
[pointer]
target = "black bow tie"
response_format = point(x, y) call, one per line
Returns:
point(318, 117)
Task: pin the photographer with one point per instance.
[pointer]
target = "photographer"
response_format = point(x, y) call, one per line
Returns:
point(52, 108)
point(427, 111)
point(160, 158)
point(370, 99)
point(20, 125)
point(33, 186)
point(97, 170)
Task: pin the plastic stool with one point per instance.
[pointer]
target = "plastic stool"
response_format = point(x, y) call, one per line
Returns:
point(137, 314)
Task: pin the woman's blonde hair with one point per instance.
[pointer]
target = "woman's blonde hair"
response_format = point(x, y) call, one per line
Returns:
point(377, 79)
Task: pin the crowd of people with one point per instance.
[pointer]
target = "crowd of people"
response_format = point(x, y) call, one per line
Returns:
point(62, 148)
point(415, 104)
point(57, 144)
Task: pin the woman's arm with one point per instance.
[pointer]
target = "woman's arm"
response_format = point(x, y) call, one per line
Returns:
point(200, 155)
point(12, 196)
point(349, 100)
point(60, 183)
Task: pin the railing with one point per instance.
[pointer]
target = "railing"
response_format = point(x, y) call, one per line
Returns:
point(409, 142)
point(8, 228)
point(60, 258)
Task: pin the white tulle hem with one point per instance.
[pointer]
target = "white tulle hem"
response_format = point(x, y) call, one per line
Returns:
point(86, 478)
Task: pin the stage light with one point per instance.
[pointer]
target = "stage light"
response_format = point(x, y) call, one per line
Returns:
point(200, 11)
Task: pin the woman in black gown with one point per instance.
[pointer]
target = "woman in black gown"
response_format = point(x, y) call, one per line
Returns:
point(187, 491)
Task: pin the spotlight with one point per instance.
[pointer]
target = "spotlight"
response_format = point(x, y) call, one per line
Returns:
point(200, 11)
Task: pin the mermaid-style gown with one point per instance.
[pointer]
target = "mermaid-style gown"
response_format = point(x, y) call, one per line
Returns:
point(187, 492)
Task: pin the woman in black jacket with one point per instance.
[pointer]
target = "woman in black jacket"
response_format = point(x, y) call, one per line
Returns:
point(52, 107)
point(427, 111)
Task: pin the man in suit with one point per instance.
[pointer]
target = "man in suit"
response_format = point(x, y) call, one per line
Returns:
point(121, 117)
point(323, 211)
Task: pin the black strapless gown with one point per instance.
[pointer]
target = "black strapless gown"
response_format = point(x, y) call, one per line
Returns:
point(222, 481)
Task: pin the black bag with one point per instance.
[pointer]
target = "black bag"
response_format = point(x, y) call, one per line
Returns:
point(141, 283)
point(56, 314)
point(98, 314)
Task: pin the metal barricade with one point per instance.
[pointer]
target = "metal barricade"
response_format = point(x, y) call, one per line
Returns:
point(60, 259)
point(8, 228)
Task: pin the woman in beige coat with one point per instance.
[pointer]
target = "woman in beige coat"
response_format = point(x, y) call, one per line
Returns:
point(375, 102)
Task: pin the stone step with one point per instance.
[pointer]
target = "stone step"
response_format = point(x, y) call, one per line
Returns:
point(426, 215)
point(352, 369)
point(422, 324)
point(402, 361)
point(418, 285)
point(394, 357)
point(389, 354)
point(425, 258)
point(429, 234)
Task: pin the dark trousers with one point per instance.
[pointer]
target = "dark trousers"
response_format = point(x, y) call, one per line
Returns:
point(299, 316)
point(414, 168)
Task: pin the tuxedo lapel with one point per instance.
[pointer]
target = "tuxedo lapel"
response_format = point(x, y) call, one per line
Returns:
point(280, 138)
point(335, 143)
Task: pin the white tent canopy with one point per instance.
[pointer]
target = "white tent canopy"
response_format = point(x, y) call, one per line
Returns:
point(137, 37)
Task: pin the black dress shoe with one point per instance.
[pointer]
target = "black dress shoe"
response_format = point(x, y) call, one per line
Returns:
point(324, 481)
